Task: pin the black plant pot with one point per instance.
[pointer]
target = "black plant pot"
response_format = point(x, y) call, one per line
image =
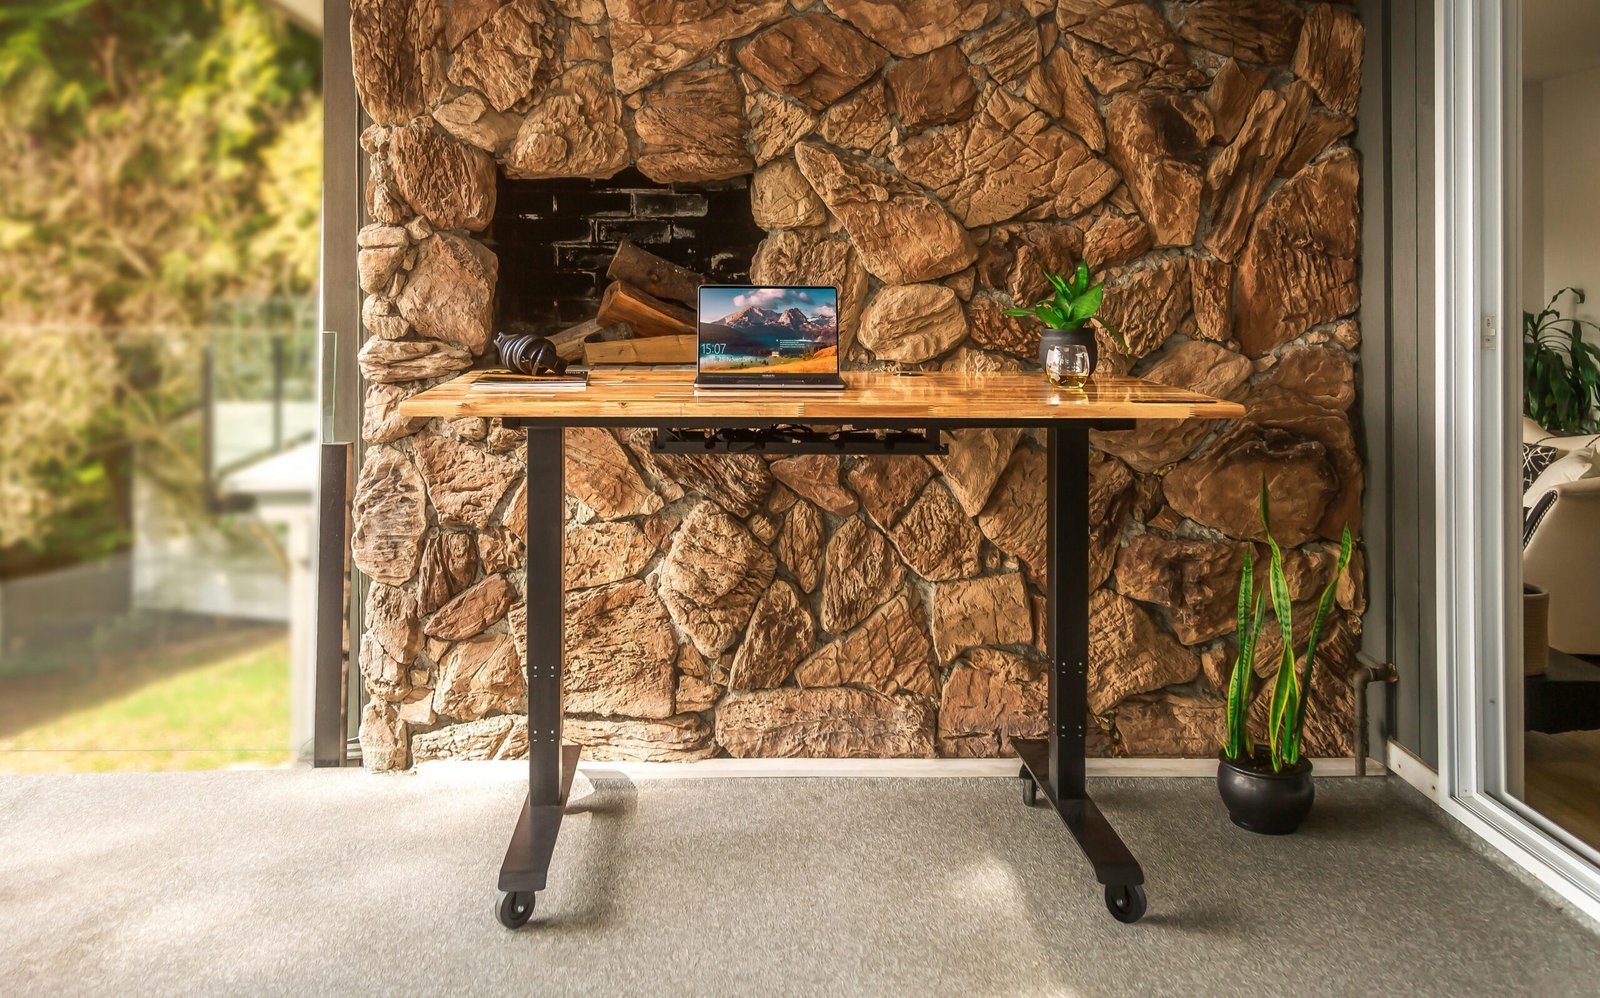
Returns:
point(1263, 801)
point(1082, 335)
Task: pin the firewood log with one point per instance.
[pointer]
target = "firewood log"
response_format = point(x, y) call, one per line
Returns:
point(647, 314)
point(569, 341)
point(644, 350)
point(653, 275)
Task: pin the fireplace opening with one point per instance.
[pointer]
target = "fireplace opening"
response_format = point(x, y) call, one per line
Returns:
point(555, 238)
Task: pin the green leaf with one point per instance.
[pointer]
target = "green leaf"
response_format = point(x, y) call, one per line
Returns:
point(1286, 696)
point(1028, 312)
point(1247, 584)
point(1285, 690)
point(1561, 371)
point(1112, 331)
point(1080, 282)
point(1324, 606)
point(1255, 639)
point(1244, 663)
point(1087, 303)
point(1560, 388)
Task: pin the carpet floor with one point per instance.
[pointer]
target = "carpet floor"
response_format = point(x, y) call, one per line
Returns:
point(323, 882)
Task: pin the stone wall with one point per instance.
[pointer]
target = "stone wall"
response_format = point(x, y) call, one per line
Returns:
point(927, 157)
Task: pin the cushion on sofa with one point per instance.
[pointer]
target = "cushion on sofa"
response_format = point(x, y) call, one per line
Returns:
point(1533, 433)
point(1568, 468)
point(1536, 458)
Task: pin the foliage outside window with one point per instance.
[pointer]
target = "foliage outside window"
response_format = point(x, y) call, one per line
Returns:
point(157, 160)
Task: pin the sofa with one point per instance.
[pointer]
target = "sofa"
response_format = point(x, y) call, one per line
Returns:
point(1561, 533)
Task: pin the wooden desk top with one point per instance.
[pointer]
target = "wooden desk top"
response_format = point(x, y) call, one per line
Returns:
point(621, 397)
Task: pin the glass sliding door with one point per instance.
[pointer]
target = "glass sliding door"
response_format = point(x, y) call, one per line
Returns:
point(1500, 682)
point(1553, 706)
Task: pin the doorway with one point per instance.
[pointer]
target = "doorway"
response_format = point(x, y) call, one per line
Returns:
point(1496, 774)
point(1558, 228)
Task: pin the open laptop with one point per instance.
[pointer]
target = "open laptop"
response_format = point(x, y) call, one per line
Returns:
point(763, 336)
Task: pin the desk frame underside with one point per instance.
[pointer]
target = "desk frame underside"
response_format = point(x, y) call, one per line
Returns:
point(1055, 763)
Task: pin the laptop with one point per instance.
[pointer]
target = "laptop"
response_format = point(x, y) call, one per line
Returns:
point(765, 336)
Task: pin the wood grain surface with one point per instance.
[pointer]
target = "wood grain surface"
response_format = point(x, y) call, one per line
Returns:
point(616, 396)
point(642, 350)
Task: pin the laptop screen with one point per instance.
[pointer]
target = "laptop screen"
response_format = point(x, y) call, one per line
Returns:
point(750, 330)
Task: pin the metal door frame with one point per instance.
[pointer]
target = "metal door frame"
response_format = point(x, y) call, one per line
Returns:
point(1476, 425)
point(337, 687)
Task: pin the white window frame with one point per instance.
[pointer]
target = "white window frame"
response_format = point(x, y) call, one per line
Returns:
point(1477, 378)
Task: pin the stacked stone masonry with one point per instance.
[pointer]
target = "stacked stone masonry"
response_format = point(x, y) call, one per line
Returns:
point(928, 158)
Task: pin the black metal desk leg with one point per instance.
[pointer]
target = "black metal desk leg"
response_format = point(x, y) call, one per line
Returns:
point(1056, 764)
point(1067, 544)
point(546, 485)
point(550, 767)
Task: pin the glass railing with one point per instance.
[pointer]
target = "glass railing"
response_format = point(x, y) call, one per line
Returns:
point(145, 604)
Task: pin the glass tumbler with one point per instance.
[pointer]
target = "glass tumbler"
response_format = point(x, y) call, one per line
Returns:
point(1067, 364)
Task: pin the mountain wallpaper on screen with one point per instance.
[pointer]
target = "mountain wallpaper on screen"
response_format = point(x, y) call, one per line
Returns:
point(754, 327)
point(793, 329)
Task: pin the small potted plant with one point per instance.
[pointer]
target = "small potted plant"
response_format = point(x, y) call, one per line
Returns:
point(1269, 789)
point(1068, 349)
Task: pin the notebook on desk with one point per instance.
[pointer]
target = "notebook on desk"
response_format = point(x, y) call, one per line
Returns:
point(769, 336)
point(510, 381)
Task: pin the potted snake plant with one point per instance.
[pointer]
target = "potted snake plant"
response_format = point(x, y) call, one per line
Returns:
point(1268, 788)
point(1075, 301)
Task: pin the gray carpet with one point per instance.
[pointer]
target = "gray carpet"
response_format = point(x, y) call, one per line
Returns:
point(339, 882)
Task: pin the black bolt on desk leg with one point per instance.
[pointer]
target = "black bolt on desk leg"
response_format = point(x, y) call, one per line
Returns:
point(550, 765)
point(1056, 764)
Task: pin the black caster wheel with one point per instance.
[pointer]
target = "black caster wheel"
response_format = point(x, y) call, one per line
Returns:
point(1125, 901)
point(1030, 792)
point(514, 909)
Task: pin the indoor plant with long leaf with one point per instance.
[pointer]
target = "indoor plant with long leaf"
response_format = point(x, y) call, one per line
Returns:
point(1560, 371)
point(1075, 301)
point(1268, 788)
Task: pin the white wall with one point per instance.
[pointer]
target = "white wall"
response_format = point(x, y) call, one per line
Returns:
point(1571, 175)
point(1533, 293)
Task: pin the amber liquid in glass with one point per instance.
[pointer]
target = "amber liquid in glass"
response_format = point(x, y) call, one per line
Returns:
point(1067, 365)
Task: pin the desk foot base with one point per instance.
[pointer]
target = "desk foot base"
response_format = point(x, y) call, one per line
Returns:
point(1114, 866)
point(527, 862)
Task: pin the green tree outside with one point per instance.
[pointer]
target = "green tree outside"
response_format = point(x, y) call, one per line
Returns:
point(157, 160)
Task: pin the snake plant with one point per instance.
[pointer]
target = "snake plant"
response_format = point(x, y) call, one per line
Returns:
point(1074, 303)
point(1286, 709)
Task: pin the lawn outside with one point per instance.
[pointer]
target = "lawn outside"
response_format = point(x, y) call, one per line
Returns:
point(217, 703)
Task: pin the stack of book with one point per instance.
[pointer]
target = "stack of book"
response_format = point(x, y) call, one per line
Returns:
point(507, 382)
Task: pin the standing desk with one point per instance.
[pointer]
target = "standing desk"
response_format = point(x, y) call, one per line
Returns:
point(889, 413)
